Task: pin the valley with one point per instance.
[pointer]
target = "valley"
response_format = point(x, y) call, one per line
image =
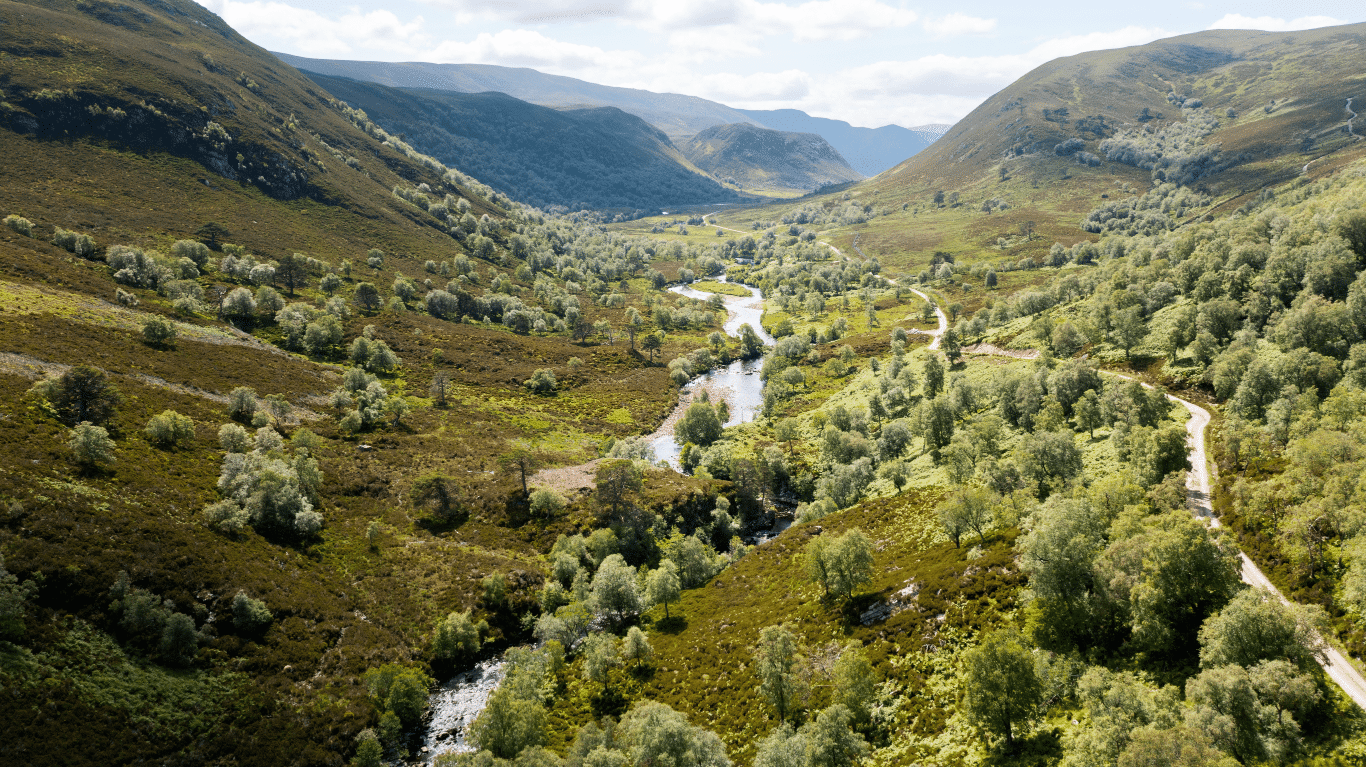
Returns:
point(397, 414)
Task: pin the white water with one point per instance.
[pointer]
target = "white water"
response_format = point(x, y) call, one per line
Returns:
point(454, 706)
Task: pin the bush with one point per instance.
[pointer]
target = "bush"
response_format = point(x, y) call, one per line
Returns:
point(242, 404)
point(158, 331)
point(250, 616)
point(542, 381)
point(234, 439)
point(80, 244)
point(19, 224)
point(169, 429)
point(91, 445)
point(457, 636)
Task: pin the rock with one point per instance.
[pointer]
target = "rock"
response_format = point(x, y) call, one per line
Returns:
point(878, 612)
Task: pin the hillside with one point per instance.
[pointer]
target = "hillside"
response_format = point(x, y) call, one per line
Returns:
point(867, 150)
point(577, 158)
point(677, 115)
point(767, 161)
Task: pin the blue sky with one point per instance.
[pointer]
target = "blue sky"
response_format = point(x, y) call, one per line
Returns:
point(869, 62)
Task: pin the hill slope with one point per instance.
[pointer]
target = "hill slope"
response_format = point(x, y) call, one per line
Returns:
point(580, 158)
point(867, 150)
point(767, 160)
point(677, 115)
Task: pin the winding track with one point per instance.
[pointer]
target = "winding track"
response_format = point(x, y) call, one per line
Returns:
point(1334, 663)
point(1351, 132)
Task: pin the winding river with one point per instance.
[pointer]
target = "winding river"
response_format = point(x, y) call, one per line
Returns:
point(738, 383)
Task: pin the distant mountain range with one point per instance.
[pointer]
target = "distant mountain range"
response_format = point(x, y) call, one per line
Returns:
point(867, 150)
point(596, 157)
point(765, 160)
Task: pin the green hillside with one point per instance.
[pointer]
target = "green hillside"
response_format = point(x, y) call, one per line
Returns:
point(298, 422)
point(767, 161)
point(594, 159)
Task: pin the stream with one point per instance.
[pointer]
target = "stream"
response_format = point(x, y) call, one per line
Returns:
point(738, 383)
point(455, 704)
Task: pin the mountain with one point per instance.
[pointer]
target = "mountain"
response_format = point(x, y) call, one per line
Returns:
point(766, 160)
point(677, 115)
point(867, 150)
point(1266, 103)
point(595, 158)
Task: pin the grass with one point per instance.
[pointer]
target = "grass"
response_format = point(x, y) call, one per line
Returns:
point(724, 288)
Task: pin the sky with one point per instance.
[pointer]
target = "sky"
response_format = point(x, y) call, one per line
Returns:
point(868, 62)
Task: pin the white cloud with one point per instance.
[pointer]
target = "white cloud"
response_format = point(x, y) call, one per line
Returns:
point(310, 33)
point(528, 48)
point(761, 88)
point(828, 19)
point(956, 24)
point(1273, 24)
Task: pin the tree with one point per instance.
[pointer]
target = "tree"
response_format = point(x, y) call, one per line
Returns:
point(855, 684)
point(614, 590)
point(840, 566)
point(1188, 573)
point(541, 382)
point(662, 585)
point(1253, 713)
point(937, 423)
point(212, 234)
point(242, 404)
point(169, 429)
point(436, 492)
point(970, 508)
point(636, 647)
point(91, 445)
point(652, 342)
point(616, 479)
point(1088, 414)
point(367, 297)
point(952, 348)
point(14, 596)
point(651, 733)
point(1181, 746)
point(991, 279)
point(509, 724)
point(934, 376)
point(600, 656)
point(751, 345)
point(1258, 626)
point(250, 616)
point(1129, 330)
point(293, 271)
point(179, 642)
point(84, 394)
point(1001, 692)
point(699, 425)
point(523, 462)
point(456, 636)
point(546, 503)
point(158, 331)
point(441, 387)
point(777, 663)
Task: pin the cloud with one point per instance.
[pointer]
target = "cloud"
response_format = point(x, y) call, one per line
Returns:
point(762, 88)
point(309, 33)
point(812, 20)
point(956, 24)
point(1273, 24)
point(528, 48)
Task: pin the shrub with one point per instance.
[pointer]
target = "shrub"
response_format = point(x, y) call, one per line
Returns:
point(91, 445)
point(457, 636)
point(196, 251)
point(233, 438)
point(250, 616)
point(80, 244)
point(179, 643)
point(169, 429)
point(542, 381)
point(19, 224)
point(158, 331)
point(242, 404)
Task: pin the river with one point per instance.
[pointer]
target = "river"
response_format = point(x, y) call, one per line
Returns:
point(457, 702)
point(738, 383)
